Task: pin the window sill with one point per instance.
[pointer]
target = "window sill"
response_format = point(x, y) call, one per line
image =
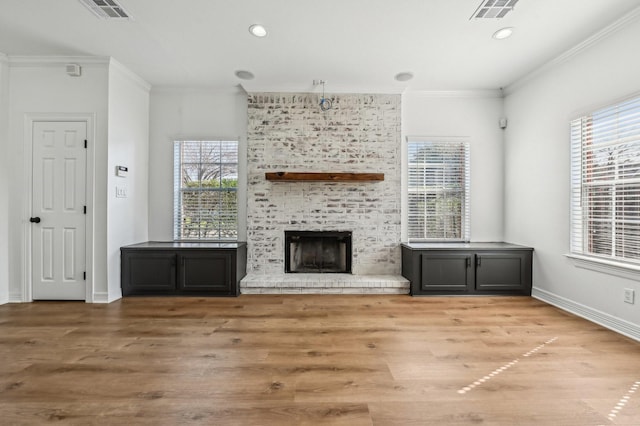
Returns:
point(619, 269)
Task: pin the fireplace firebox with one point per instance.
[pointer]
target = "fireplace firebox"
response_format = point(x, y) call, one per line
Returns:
point(317, 251)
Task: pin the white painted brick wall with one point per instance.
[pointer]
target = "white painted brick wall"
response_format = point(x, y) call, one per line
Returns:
point(289, 132)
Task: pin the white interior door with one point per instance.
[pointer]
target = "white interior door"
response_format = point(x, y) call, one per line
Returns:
point(59, 216)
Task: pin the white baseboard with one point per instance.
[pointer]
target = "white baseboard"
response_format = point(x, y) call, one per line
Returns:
point(618, 325)
point(15, 298)
point(101, 297)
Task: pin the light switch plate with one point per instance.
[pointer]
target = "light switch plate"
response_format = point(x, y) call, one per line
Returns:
point(121, 192)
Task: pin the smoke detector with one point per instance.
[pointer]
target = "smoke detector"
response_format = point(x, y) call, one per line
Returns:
point(493, 9)
point(106, 9)
point(73, 70)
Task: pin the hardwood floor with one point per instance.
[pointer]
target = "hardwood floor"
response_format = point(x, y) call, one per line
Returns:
point(313, 360)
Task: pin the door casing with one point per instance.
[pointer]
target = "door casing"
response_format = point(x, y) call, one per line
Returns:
point(27, 261)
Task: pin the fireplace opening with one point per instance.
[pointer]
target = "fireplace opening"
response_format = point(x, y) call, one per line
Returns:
point(317, 251)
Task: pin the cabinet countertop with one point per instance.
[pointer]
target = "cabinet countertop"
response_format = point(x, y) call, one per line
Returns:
point(172, 245)
point(465, 246)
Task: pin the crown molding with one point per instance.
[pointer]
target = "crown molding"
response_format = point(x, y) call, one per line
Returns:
point(177, 90)
point(24, 61)
point(479, 93)
point(251, 87)
point(55, 61)
point(575, 50)
point(130, 75)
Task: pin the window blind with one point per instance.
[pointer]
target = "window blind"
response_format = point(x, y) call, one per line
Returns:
point(205, 190)
point(605, 182)
point(438, 190)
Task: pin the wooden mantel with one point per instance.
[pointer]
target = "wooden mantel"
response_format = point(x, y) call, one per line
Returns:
point(327, 177)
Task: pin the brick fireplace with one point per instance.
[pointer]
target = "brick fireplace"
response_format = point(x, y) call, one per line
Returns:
point(288, 132)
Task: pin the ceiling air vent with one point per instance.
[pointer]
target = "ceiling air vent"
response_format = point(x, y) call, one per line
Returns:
point(493, 9)
point(106, 9)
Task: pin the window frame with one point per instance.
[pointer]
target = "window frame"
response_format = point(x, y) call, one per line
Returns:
point(465, 208)
point(179, 190)
point(584, 145)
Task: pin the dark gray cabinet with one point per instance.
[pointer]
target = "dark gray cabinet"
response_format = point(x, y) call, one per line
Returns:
point(445, 272)
point(469, 268)
point(148, 271)
point(171, 268)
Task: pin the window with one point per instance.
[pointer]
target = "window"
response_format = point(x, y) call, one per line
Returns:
point(205, 190)
point(605, 183)
point(438, 190)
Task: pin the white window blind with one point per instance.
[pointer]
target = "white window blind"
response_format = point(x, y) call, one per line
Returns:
point(205, 190)
point(438, 185)
point(605, 183)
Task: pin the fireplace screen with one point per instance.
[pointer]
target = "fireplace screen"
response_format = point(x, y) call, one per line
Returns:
point(317, 251)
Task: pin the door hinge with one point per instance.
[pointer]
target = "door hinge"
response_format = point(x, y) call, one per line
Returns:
point(85, 143)
point(85, 209)
point(84, 276)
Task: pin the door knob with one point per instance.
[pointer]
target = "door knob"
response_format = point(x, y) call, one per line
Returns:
point(34, 220)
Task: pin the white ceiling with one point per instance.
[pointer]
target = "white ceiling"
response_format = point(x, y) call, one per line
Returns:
point(355, 45)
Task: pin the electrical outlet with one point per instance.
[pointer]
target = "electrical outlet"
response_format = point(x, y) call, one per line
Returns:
point(629, 295)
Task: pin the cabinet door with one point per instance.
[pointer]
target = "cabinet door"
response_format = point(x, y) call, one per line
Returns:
point(508, 271)
point(205, 271)
point(148, 272)
point(446, 272)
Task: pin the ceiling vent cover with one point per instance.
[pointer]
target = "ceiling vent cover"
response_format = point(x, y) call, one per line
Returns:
point(106, 9)
point(493, 9)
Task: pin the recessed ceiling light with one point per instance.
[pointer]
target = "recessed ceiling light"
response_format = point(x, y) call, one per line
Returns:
point(258, 30)
point(244, 75)
point(403, 76)
point(503, 33)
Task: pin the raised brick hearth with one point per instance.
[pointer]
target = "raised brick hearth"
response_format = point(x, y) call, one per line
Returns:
point(324, 284)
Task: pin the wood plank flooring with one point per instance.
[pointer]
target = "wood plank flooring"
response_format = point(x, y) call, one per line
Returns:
point(313, 360)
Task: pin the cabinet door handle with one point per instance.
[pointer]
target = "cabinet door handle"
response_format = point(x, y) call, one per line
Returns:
point(478, 261)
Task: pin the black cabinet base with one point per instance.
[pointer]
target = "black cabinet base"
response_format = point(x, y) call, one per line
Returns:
point(185, 269)
point(467, 268)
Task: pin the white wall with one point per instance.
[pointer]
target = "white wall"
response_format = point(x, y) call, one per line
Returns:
point(128, 145)
point(191, 114)
point(474, 115)
point(538, 170)
point(39, 86)
point(4, 180)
